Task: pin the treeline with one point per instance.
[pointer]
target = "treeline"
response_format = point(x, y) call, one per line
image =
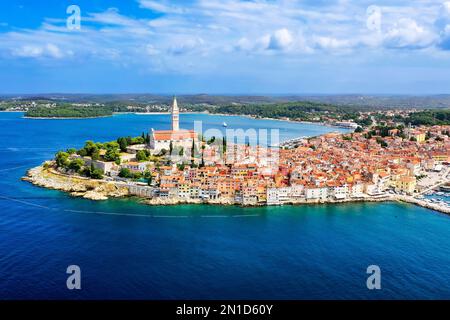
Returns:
point(69, 111)
point(295, 110)
point(107, 151)
point(430, 117)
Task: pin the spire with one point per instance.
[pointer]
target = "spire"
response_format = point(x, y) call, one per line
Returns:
point(174, 104)
point(175, 115)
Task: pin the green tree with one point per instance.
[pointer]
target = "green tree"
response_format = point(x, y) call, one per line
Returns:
point(123, 144)
point(76, 164)
point(142, 155)
point(193, 151)
point(112, 155)
point(90, 147)
point(95, 155)
point(224, 144)
point(82, 152)
point(125, 173)
point(62, 159)
point(96, 174)
point(137, 175)
point(138, 140)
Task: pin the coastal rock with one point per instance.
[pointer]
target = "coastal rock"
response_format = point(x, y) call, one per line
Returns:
point(93, 195)
point(76, 186)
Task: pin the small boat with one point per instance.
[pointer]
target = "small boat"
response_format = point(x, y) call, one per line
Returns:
point(225, 125)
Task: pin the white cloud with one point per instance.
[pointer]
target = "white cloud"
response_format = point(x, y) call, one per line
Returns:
point(28, 51)
point(442, 24)
point(184, 46)
point(37, 51)
point(185, 33)
point(159, 6)
point(406, 33)
point(53, 51)
point(444, 40)
point(329, 43)
point(281, 39)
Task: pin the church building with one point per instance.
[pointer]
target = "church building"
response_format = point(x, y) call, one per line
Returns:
point(160, 139)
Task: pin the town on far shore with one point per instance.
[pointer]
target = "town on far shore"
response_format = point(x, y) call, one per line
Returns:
point(381, 162)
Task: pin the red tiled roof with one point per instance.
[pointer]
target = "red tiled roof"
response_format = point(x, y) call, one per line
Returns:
point(174, 135)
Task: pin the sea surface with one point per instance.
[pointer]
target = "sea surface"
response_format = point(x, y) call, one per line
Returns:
point(131, 251)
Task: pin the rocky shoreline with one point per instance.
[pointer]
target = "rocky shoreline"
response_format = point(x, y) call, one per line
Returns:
point(76, 186)
point(102, 190)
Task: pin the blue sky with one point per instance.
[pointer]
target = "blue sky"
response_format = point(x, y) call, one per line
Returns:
point(226, 47)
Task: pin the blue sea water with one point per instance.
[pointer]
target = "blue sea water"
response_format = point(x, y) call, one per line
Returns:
point(131, 251)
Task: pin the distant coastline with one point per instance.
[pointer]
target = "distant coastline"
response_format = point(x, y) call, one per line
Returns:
point(237, 115)
point(189, 112)
point(64, 118)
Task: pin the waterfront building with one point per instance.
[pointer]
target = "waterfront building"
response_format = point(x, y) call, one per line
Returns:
point(314, 193)
point(406, 184)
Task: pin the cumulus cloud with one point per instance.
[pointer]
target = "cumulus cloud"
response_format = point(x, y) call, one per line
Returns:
point(442, 24)
point(406, 33)
point(221, 27)
point(281, 39)
point(37, 51)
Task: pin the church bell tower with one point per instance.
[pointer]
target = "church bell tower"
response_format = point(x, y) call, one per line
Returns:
point(175, 115)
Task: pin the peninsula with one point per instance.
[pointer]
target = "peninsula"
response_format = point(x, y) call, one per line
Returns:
point(385, 162)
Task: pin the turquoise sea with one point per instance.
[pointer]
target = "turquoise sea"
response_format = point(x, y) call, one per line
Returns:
point(131, 251)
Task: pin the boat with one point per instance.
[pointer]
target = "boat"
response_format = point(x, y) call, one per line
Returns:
point(225, 125)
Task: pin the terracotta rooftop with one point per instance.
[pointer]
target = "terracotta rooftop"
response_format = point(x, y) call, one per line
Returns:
point(174, 135)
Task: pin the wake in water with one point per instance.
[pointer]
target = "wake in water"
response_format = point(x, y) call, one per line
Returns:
point(28, 203)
